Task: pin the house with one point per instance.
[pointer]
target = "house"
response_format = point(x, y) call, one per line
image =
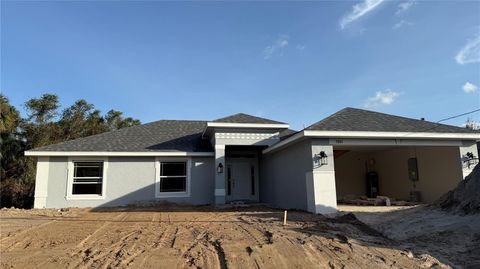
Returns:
point(247, 158)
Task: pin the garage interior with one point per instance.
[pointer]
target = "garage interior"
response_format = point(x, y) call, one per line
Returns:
point(413, 174)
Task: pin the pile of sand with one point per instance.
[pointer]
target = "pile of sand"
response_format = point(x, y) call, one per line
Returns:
point(465, 198)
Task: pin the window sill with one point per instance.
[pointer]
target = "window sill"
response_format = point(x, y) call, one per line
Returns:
point(85, 197)
point(172, 195)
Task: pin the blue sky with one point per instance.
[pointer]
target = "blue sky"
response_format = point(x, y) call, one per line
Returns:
point(296, 62)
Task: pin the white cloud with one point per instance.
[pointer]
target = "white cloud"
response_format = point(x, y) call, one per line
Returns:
point(358, 11)
point(386, 97)
point(300, 47)
point(276, 48)
point(404, 6)
point(401, 24)
point(470, 53)
point(469, 87)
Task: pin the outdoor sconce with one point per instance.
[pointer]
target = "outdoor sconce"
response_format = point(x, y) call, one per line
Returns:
point(321, 158)
point(220, 168)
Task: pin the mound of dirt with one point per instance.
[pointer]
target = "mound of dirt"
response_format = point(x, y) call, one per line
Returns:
point(465, 198)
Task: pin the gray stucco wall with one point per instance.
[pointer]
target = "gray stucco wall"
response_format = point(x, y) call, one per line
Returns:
point(130, 180)
point(283, 176)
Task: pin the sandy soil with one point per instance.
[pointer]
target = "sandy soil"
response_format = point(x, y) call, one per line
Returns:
point(452, 239)
point(199, 237)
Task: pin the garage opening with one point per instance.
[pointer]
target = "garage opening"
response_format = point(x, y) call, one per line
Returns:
point(404, 174)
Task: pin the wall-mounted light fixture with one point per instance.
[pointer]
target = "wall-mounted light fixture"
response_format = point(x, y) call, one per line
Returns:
point(220, 168)
point(321, 158)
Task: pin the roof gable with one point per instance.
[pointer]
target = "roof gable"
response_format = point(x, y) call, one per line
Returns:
point(245, 118)
point(353, 119)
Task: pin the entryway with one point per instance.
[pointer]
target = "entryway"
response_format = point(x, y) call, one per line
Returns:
point(241, 175)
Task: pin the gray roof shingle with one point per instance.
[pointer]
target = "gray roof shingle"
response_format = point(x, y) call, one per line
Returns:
point(245, 118)
point(353, 119)
point(164, 135)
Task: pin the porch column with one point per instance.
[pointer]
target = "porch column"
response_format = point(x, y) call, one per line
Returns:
point(220, 177)
point(321, 192)
point(41, 182)
point(465, 150)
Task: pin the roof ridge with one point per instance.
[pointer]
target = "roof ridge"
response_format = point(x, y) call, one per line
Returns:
point(356, 119)
point(404, 117)
point(237, 118)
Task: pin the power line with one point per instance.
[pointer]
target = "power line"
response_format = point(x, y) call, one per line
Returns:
point(460, 115)
point(438, 122)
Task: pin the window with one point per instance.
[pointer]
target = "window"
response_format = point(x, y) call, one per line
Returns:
point(173, 176)
point(87, 178)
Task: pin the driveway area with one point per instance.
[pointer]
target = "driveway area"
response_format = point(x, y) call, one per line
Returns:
point(172, 236)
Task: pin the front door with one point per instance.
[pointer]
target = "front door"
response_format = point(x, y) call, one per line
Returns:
point(241, 181)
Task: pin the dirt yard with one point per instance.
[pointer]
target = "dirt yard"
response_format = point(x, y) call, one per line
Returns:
point(451, 238)
point(199, 237)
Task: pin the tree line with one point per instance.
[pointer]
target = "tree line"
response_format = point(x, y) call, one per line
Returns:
point(44, 124)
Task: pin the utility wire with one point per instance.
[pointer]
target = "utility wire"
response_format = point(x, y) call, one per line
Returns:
point(438, 124)
point(460, 115)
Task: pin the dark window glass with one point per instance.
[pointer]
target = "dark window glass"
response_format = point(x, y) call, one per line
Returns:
point(229, 179)
point(252, 172)
point(87, 178)
point(176, 184)
point(173, 169)
point(88, 169)
point(173, 177)
point(87, 189)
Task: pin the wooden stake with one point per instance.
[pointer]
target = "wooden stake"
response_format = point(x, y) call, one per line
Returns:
point(285, 218)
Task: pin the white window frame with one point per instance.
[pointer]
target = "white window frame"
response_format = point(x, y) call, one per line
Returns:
point(71, 171)
point(159, 194)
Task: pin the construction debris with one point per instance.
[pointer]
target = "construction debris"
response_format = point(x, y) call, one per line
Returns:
point(378, 201)
point(465, 198)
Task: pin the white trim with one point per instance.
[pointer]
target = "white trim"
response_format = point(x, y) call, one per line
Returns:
point(159, 194)
point(219, 147)
point(248, 125)
point(375, 135)
point(70, 171)
point(247, 136)
point(338, 142)
point(41, 182)
point(220, 192)
point(119, 153)
point(398, 135)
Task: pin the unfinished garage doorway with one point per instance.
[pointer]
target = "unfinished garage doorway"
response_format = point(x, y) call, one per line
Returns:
point(405, 173)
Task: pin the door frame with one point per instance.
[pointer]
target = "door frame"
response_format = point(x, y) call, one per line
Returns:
point(252, 162)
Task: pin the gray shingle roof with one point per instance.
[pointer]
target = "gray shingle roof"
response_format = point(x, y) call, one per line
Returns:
point(284, 134)
point(353, 119)
point(164, 135)
point(245, 118)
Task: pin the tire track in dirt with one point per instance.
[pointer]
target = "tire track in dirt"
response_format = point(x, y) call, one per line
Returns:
point(14, 243)
point(107, 223)
point(157, 243)
point(203, 251)
point(83, 252)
